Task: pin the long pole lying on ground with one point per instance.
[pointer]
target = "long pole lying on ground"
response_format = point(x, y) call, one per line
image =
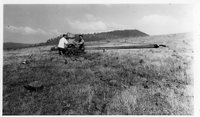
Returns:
point(124, 47)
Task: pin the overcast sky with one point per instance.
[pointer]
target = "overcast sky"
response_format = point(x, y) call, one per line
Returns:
point(37, 23)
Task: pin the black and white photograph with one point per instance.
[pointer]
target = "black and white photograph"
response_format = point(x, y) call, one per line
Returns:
point(98, 59)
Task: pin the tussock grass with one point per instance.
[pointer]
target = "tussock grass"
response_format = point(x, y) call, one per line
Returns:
point(115, 82)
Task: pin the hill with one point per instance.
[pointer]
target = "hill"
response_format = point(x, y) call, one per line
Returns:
point(87, 37)
point(104, 35)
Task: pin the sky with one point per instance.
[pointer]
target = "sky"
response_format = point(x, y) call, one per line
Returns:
point(29, 23)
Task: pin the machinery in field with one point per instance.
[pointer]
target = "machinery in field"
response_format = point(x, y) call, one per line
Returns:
point(74, 49)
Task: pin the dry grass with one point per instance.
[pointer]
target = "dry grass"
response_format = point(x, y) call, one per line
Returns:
point(137, 82)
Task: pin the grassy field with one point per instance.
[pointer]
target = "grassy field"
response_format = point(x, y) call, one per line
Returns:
point(116, 82)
